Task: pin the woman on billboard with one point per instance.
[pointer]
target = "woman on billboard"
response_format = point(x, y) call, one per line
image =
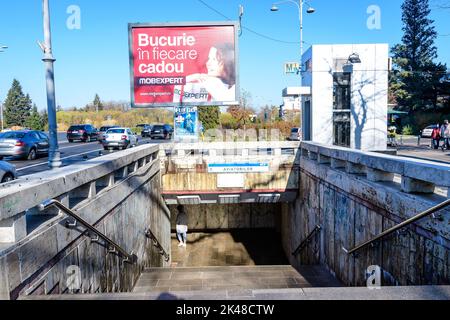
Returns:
point(218, 84)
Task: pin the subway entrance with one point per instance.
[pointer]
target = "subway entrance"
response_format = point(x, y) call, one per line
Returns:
point(229, 235)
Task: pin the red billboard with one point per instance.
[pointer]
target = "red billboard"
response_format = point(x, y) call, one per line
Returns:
point(183, 64)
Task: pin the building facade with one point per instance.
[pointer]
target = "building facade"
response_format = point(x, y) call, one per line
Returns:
point(345, 95)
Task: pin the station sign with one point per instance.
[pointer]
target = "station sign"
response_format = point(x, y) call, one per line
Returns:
point(291, 68)
point(238, 167)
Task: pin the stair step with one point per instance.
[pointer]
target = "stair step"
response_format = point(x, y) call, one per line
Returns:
point(232, 278)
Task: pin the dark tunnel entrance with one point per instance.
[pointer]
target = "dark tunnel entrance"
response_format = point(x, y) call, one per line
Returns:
point(230, 235)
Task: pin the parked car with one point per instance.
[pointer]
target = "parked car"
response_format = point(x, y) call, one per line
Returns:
point(83, 132)
point(146, 130)
point(161, 131)
point(7, 172)
point(102, 131)
point(121, 138)
point(296, 134)
point(426, 133)
point(24, 144)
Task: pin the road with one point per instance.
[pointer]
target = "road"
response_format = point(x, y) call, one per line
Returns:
point(70, 153)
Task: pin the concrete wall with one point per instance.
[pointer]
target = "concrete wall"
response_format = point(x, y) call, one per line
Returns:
point(369, 86)
point(355, 207)
point(45, 259)
point(237, 216)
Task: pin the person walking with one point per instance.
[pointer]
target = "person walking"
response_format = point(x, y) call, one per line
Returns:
point(445, 134)
point(182, 226)
point(436, 137)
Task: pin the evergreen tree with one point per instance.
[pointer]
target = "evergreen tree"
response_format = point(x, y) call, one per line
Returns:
point(35, 120)
point(17, 106)
point(209, 117)
point(97, 104)
point(416, 77)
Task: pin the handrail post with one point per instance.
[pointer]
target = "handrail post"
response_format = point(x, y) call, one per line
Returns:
point(112, 246)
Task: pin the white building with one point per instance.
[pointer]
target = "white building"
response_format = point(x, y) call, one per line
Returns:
point(345, 95)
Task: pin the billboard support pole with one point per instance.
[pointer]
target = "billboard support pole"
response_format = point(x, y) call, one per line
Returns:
point(54, 157)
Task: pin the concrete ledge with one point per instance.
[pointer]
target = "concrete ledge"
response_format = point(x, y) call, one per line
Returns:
point(350, 293)
point(32, 190)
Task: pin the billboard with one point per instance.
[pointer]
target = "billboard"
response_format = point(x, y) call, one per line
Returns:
point(186, 123)
point(183, 64)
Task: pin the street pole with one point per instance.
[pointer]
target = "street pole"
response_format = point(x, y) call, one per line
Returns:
point(54, 157)
point(300, 98)
point(1, 113)
point(2, 49)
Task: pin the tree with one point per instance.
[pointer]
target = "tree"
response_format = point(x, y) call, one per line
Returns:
point(35, 121)
point(97, 104)
point(209, 117)
point(415, 79)
point(17, 106)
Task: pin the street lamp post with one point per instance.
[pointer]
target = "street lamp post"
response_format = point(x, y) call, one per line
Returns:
point(2, 49)
point(300, 16)
point(310, 9)
point(54, 157)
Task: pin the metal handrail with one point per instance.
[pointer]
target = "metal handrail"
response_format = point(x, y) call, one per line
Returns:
point(163, 252)
point(400, 226)
point(307, 240)
point(130, 258)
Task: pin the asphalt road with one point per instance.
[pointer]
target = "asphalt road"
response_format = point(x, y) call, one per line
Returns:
point(70, 153)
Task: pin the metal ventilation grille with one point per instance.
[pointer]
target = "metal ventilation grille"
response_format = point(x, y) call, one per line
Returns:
point(229, 199)
point(188, 200)
point(269, 198)
point(171, 201)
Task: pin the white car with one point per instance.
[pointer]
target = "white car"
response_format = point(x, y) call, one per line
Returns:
point(7, 172)
point(428, 131)
point(296, 134)
point(121, 138)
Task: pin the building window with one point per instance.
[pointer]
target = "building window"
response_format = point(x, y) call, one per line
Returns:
point(341, 91)
point(341, 129)
point(341, 108)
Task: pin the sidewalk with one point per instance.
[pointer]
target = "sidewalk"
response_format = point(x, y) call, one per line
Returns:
point(408, 147)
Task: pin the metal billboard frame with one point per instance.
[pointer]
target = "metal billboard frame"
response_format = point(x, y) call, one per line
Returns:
point(234, 24)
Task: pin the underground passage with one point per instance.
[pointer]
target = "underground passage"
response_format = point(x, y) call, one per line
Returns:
point(328, 219)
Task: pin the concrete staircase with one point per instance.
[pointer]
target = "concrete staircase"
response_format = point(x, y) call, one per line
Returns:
point(232, 278)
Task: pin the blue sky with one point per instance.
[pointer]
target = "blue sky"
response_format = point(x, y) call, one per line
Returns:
point(94, 59)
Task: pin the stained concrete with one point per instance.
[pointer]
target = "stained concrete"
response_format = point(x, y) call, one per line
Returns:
point(246, 247)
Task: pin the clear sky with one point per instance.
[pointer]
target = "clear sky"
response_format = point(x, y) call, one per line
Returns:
point(94, 59)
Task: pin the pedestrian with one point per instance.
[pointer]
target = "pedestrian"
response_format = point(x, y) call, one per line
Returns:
point(445, 134)
point(182, 226)
point(436, 137)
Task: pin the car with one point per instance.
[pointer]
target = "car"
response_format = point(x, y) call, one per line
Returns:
point(28, 144)
point(83, 132)
point(102, 131)
point(7, 172)
point(146, 129)
point(428, 131)
point(161, 131)
point(121, 138)
point(296, 134)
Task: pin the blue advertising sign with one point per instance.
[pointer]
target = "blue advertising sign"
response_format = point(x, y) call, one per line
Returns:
point(186, 123)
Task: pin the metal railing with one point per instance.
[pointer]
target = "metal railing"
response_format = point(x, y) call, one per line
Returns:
point(400, 226)
point(112, 246)
point(156, 243)
point(307, 240)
